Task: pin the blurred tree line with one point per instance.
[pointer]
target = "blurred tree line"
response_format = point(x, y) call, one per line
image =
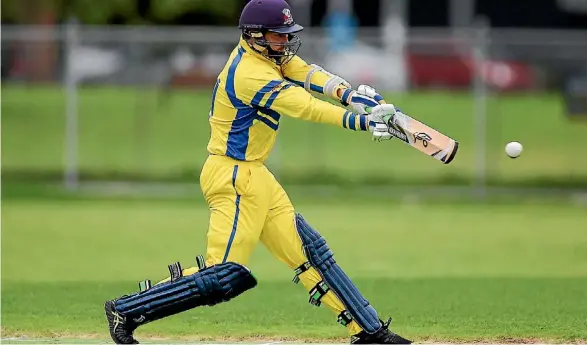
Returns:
point(123, 12)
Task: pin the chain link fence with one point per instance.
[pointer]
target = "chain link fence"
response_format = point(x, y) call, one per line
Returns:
point(82, 104)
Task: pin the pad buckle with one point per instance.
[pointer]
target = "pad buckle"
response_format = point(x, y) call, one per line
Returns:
point(303, 268)
point(317, 293)
point(344, 318)
point(175, 271)
point(201, 262)
point(145, 285)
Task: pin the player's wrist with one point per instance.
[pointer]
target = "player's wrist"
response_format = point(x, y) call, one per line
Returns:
point(343, 94)
point(355, 122)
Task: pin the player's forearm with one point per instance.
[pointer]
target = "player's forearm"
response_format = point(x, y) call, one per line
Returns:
point(330, 86)
point(325, 112)
point(295, 102)
point(314, 78)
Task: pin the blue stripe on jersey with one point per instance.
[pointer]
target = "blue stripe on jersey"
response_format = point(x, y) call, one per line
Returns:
point(267, 108)
point(316, 88)
point(363, 122)
point(271, 113)
point(274, 96)
point(214, 97)
point(266, 121)
point(236, 213)
point(238, 136)
point(261, 93)
point(352, 124)
point(298, 83)
point(313, 87)
point(237, 103)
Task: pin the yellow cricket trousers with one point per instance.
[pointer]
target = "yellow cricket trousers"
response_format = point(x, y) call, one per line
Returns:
point(248, 205)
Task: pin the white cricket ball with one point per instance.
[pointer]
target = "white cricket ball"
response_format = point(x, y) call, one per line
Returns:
point(513, 149)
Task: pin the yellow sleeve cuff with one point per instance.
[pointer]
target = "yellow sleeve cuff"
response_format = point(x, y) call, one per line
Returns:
point(355, 122)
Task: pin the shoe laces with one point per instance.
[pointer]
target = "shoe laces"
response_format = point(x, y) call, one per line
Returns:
point(118, 319)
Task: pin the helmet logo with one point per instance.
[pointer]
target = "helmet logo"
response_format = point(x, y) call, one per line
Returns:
point(287, 18)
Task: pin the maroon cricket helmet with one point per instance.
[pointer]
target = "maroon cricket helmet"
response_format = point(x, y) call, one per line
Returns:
point(261, 16)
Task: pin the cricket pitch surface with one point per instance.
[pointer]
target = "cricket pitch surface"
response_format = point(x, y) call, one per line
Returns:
point(92, 341)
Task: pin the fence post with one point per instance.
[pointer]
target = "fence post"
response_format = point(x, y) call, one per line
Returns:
point(480, 41)
point(71, 175)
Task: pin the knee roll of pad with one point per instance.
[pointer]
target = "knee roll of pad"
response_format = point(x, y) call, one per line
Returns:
point(322, 259)
point(209, 286)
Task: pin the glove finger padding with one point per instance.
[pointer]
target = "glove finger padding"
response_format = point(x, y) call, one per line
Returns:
point(360, 104)
point(380, 131)
point(382, 113)
point(380, 118)
point(370, 91)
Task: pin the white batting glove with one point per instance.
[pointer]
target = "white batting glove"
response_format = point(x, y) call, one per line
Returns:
point(369, 91)
point(364, 97)
point(358, 103)
point(379, 118)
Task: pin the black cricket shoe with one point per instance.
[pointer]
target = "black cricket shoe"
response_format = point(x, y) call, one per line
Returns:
point(382, 336)
point(120, 328)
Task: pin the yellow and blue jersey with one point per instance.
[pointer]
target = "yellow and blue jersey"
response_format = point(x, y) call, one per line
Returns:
point(252, 93)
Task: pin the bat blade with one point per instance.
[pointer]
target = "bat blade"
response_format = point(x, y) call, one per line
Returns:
point(423, 137)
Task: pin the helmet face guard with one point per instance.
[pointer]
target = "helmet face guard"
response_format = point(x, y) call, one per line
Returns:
point(279, 52)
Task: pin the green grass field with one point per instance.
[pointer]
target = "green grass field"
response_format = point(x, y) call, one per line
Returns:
point(450, 272)
point(509, 270)
point(127, 131)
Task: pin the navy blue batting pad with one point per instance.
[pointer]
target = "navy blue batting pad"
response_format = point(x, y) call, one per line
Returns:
point(322, 259)
point(212, 285)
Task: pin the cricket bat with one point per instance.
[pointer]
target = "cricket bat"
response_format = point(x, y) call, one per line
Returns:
point(423, 137)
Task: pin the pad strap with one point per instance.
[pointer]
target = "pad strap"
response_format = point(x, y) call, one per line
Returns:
point(318, 292)
point(201, 262)
point(145, 285)
point(303, 268)
point(175, 271)
point(344, 318)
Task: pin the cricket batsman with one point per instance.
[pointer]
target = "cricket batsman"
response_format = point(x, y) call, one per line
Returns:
point(262, 81)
